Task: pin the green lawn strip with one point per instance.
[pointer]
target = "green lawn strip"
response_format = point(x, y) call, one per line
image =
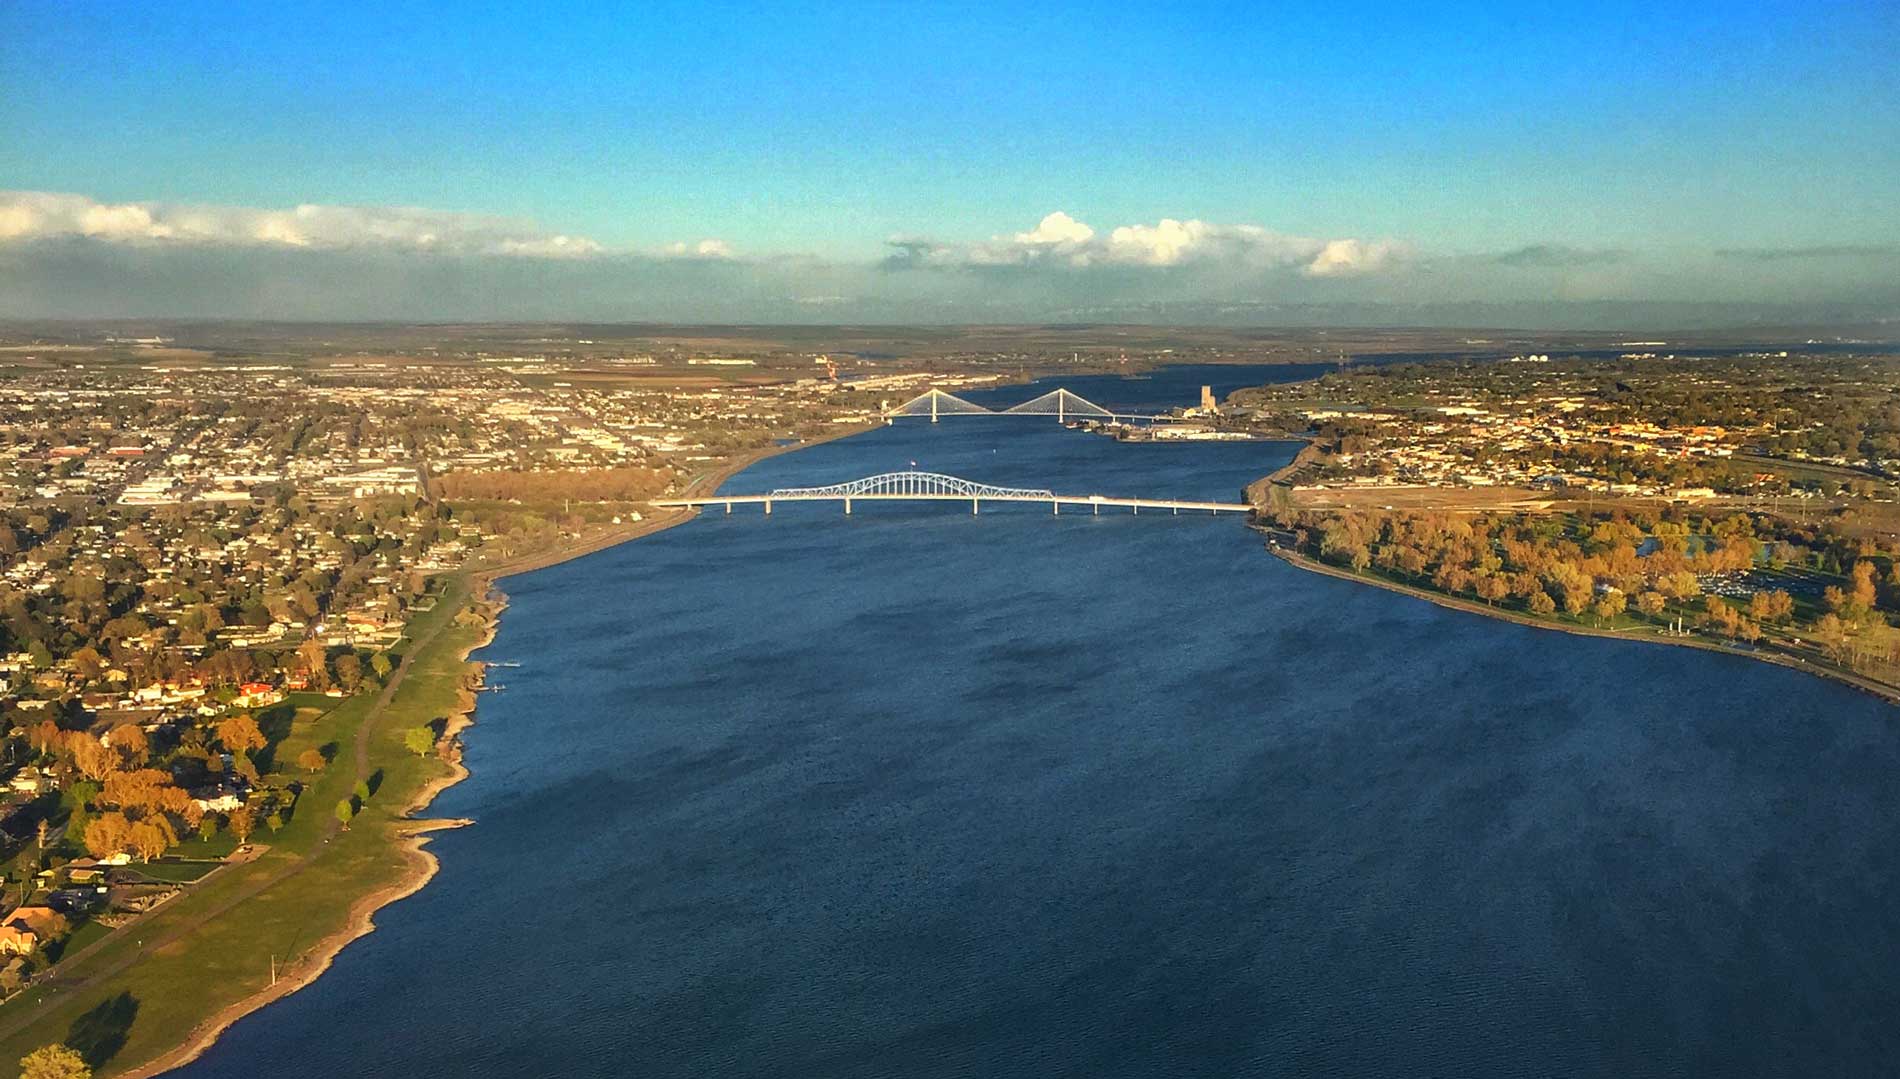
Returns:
point(221, 958)
point(180, 872)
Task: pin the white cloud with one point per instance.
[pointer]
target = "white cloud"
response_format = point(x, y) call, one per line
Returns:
point(1056, 228)
point(37, 215)
point(1060, 240)
point(1342, 258)
point(704, 249)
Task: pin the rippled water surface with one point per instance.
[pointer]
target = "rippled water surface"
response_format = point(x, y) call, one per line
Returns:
point(921, 793)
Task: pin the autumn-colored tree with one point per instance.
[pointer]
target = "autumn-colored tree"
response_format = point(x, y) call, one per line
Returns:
point(54, 1062)
point(107, 834)
point(1832, 635)
point(311, 760)
point(90, 755)
point(240, 734)
point(1864, 592)
point(45, 737)
point(311, 655)
point(1576, 598)
point(1721, 615)
point(349, 671)
point(147, 791)
point(151, 837)
point(1651, 603)
point(241, 821)
point(129, 740)
point(1540, 603)
point(1493, 587)
point(88, 664)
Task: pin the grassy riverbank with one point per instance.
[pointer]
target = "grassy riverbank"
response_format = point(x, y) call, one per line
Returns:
point(1622, 628)
point(157, 991)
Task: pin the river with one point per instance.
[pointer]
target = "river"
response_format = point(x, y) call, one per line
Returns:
point(920, 793)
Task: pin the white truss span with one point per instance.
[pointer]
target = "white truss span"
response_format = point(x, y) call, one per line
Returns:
point(914, 485)
point(935, 486)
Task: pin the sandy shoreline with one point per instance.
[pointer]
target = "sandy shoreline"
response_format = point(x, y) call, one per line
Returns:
point(420, 869)
point(422, 866)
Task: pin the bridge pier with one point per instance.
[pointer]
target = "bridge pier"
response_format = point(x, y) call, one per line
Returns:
point(768, 507)
point(973, 503)
point(728, 509)
point(1055, 507)
point(847, 507)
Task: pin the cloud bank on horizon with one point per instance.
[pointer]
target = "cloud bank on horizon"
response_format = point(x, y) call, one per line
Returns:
point(1060, 240)
point(71, 255)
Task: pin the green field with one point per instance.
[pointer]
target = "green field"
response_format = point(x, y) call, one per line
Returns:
point(147, 986)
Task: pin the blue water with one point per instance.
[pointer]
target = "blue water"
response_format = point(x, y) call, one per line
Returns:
point(921, 793)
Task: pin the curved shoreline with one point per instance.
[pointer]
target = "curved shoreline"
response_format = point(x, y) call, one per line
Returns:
point(1458, 603)
point(422, 865)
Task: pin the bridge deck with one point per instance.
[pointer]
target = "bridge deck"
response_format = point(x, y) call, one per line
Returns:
point(1136, 504)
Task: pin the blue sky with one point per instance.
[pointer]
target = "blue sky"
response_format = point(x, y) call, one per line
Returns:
point(1651, 133)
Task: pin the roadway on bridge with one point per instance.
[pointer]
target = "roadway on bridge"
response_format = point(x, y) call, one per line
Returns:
point(938, 487)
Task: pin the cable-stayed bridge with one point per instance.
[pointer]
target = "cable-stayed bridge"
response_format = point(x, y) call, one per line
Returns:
point(1059, 403)
point(915, 486)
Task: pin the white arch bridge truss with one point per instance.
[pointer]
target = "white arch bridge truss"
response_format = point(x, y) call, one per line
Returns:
point(936, 486)
point(914, 485)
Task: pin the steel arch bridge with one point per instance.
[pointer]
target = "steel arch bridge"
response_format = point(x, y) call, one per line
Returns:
point(936, 486)
point(914, 485)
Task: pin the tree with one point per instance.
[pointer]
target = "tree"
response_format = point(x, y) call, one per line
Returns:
point(311, 654)
point(311, 760)
point(1541, 603)
point(1492, 588)
point(379, 663)
point(54, 1062)
point(130, 742)
point(1864, 593)
point(241, 821)
point(349, 671)
point(107, 835)
point(420, 740)
point(147, 790)
point(1576, 598)
point(91, 756)
point(345, 810)
point(88, 664)
point(1611, 604)
point(151, 837)
point(240, 734)
point(1651, 603)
